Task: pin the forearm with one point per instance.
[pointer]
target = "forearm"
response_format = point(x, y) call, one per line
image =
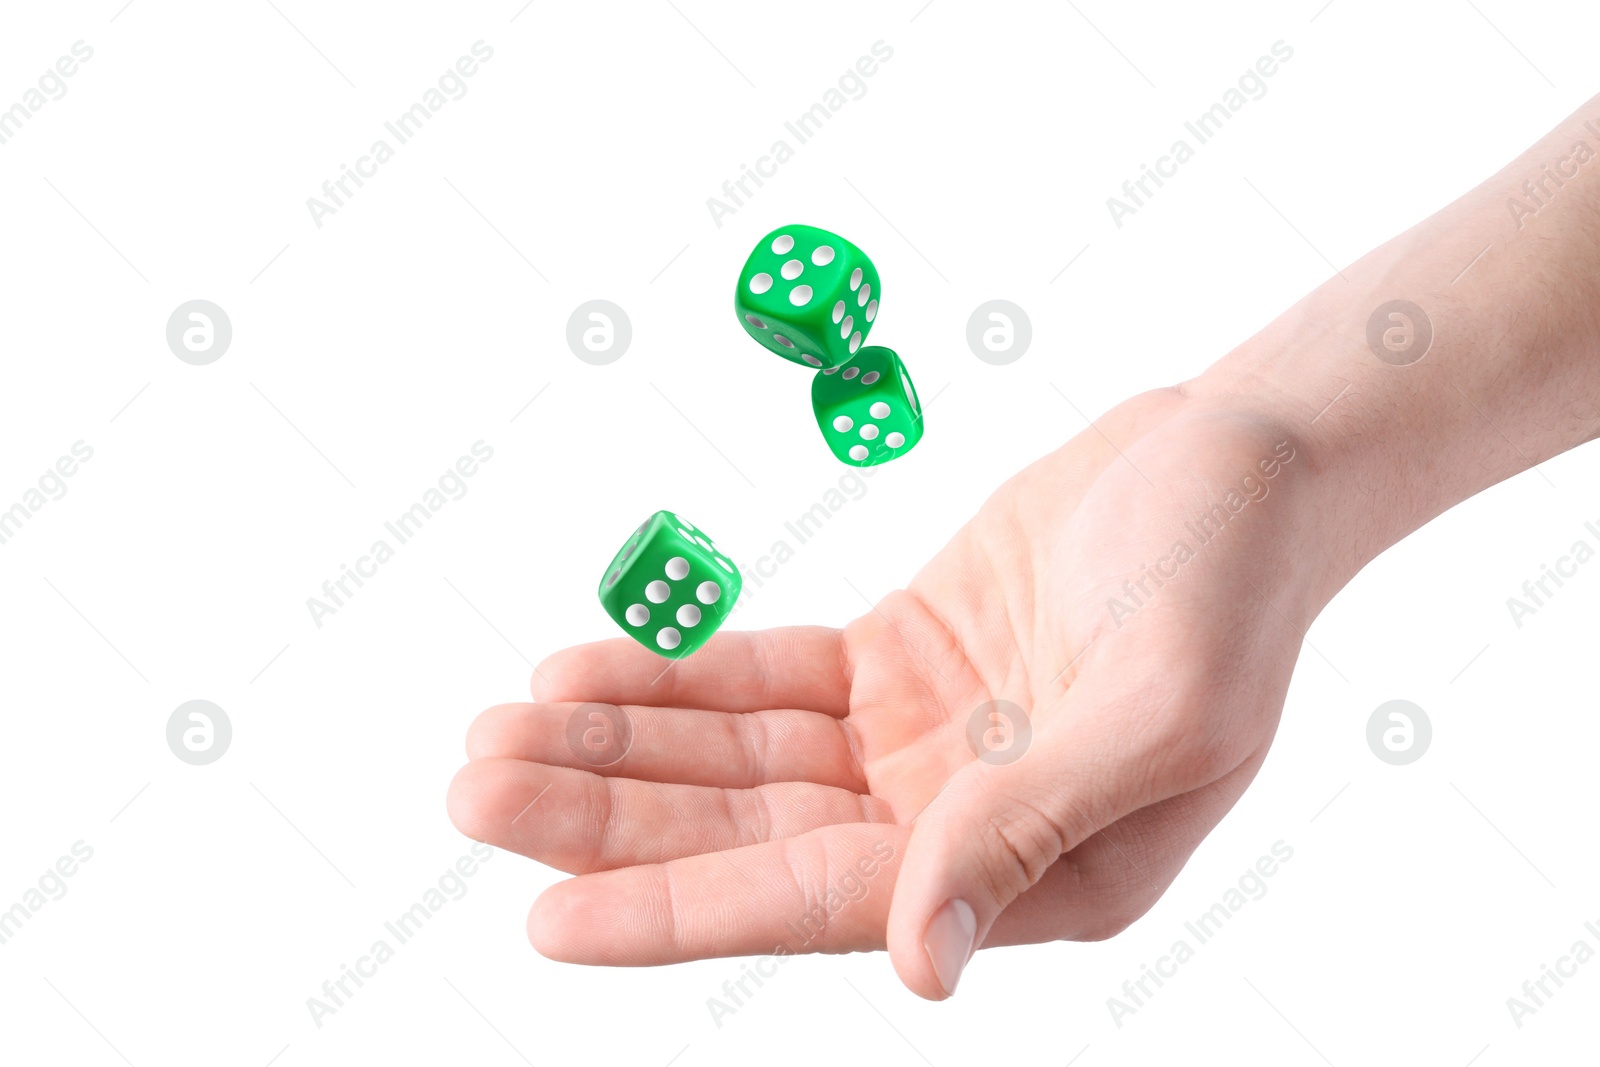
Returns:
point(1512, 376)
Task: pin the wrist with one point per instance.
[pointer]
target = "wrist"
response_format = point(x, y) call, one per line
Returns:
point(1490, 366)
point(1363, 456)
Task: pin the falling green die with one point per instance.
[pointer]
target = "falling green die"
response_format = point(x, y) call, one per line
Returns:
point(670, 587)
point(808, 295)
point(867, 410)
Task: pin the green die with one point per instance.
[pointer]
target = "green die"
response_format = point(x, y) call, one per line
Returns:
point(808, 295)
point(669, 587)
point(867, 411)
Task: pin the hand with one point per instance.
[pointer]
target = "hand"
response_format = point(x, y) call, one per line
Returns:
point(774, 767)
point(774, 775)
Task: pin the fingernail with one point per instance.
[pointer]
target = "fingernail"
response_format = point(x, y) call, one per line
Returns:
point(948, 941)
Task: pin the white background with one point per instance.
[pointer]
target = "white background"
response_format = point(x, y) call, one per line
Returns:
point(370, 353)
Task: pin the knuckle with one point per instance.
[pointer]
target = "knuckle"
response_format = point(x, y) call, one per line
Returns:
point(1107, 905)
point(1105, 926)
point(1109, 899)
point(1022, 843)
point(1189, 744)
point(752, 742)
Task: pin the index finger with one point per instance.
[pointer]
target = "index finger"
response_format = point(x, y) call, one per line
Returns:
point(791, 667)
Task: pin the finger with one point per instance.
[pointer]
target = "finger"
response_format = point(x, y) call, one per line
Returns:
point(825, 891)
point(1101, 887)
point(793, 667)
point(830, 891)
point(683, 745)
point(577, 821)
point(1102, 751)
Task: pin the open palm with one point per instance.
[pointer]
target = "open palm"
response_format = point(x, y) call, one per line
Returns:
point(811, 789)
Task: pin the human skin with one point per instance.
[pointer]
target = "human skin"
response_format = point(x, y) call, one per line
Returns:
point(769, 764)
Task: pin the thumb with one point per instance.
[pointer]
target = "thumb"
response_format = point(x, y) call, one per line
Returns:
point(1040, 784)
